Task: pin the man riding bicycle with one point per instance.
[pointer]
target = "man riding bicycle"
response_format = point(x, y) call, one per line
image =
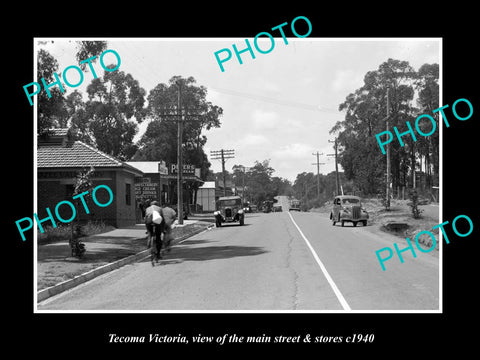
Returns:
point(155, 225)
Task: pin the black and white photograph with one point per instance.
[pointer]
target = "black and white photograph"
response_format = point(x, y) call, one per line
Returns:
point(285, 203)
point(271, 182)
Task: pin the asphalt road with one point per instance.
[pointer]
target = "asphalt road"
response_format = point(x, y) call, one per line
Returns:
point(268, 264)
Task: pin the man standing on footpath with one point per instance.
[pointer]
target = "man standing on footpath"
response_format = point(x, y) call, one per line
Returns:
point(169, 216)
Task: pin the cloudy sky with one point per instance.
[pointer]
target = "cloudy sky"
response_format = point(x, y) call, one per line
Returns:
point(278, 106)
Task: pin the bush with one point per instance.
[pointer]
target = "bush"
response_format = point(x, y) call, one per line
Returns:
point(51, 234)
point(414, 202)
point(64, 231)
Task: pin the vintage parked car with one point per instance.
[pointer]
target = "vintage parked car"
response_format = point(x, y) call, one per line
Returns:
point(348, 208)
point(277, 208)
point(229, 209)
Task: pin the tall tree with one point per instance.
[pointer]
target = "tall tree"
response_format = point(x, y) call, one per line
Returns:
point(365, 116)
point(259, 182)
point(88, 49)
point(50, 109)
point(115, 105)
point(54, 111)
point(160, 139)
point(428, 100)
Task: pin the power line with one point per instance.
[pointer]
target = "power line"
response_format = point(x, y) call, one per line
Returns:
point(283, 102)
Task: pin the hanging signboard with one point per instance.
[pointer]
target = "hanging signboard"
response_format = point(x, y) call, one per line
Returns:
point(188, 169)
point(162, 168)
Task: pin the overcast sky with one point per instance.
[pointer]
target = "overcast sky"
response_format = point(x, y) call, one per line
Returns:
point(278, 106)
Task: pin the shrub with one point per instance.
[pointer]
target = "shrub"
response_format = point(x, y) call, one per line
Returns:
point(414, 202)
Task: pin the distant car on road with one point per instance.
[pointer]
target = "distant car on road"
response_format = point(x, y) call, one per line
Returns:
point(253, 208)
point(277, 208)
point(229, 209)
point(294, 205)
point(267, 206)
point(348, 208)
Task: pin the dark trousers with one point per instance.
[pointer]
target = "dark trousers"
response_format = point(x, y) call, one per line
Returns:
point(155, 230)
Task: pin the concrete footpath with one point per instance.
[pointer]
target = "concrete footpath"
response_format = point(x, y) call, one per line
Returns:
point(57, 271)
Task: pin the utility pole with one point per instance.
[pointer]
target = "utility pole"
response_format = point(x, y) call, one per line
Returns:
point(179, 156)
point(337, 178)
point(387, 203)
point(179, 115)
point(244, 168)
point(318, 163)
point(222, 155)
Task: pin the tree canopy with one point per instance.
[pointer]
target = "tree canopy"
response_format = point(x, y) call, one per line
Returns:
point(159, 142)
point(108, 118)
point(365, 115)
point(54, 111)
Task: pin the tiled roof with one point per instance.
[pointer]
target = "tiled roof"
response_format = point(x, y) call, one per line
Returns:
point(72, 155)
point(58, 132)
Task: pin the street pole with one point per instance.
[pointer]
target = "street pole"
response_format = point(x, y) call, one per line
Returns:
point(179, 157)
point(337, 177)
point(243, 185)
point(318, 163)
point(222, 155)
point(224, 175)
point(180, 116)
point(387, 204)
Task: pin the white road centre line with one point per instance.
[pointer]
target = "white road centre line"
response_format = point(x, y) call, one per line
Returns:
point(334, 287)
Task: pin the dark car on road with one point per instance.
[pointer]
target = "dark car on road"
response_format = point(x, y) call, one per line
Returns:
point(348, 208)
point(267, 206)
point(229, 209)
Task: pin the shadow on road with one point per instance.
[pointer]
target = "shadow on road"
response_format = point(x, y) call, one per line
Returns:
point(232, 224)
point(182, 253)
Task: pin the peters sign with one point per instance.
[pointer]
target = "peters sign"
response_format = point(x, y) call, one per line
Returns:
point(187, 169)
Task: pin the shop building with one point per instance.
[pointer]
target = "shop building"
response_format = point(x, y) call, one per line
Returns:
point(159, 182)
point(60, 159)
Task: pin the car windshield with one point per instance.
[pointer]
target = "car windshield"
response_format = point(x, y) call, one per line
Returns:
point(350, 201)
point(230, 202)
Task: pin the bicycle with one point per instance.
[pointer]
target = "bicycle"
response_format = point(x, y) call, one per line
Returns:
point(152, 244)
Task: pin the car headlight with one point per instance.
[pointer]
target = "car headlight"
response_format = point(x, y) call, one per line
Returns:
point(240, 211)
